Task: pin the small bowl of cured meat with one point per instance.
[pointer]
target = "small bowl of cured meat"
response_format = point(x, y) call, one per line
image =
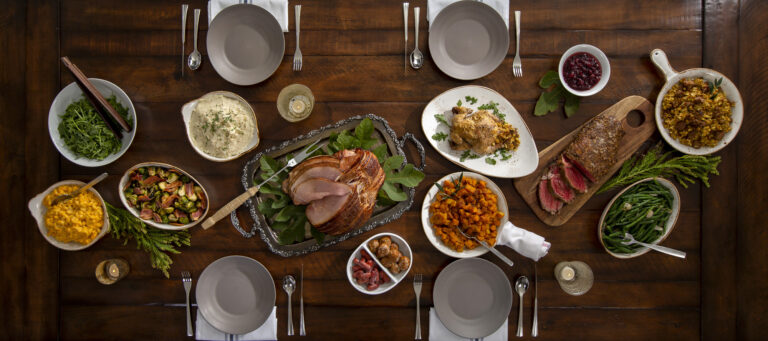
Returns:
point(163, 196)
point(379, 264)
point(584, 70)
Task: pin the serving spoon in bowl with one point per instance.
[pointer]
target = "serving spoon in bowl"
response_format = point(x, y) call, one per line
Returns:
point(63, 197)
point(629, 240)
point(490, 248)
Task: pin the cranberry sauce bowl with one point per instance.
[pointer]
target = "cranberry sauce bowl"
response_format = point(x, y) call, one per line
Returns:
point(584, 70)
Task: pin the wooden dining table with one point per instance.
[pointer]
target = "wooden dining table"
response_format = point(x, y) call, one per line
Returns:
point(354, 64)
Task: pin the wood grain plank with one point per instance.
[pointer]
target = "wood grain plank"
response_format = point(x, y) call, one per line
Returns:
point(41, 168)
point(337, 78)
point(12, 83)
point(323, 323)
point(361, 42)
point(719, 238)
point(752, 165)
point(378, 15)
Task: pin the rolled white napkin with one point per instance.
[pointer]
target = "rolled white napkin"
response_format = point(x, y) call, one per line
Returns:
point(435, 6)
point(267, 331)
point(278, 8)
point(437, 330)
point(525, 242)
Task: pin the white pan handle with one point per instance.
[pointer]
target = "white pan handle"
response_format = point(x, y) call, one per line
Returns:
point(659, 58)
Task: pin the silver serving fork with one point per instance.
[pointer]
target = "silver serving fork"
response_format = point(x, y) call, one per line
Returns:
point(517, 65)
point(417, 279)
point(297, 57)
point(186, 278)
point(240, 199)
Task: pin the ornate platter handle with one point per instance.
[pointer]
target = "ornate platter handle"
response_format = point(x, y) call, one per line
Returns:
point(409, 137)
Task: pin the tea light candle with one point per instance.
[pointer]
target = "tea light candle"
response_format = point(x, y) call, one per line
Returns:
point(111, 270)
point(295, 102)
point(297, 105)
point(567, 273)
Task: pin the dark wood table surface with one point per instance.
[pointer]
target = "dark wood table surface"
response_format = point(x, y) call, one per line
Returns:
point(353, 62)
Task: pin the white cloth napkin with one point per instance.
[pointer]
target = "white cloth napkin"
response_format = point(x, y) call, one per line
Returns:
point(267, 331)
point(525, 242)
point(435, 6)
point(278, 8)
point(438, 332)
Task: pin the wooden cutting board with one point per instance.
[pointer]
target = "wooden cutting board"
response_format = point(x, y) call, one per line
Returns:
point(632, 140)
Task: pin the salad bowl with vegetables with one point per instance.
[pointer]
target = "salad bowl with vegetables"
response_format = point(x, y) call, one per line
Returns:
point(163, 196)
point(77, 131)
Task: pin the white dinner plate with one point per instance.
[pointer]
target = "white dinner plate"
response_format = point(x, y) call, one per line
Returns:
point(524, 160)
point(235, 294)
point(501, 203)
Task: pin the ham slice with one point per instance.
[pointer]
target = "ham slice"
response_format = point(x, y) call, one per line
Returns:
point(321, 211)
point(318, 188)
point(321, 171)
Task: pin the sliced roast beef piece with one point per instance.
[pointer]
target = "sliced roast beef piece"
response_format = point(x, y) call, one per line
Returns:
point(548, 202)
point(318, 188)
point(558, 186)
point(321, 211)
point(593, 151)
point(571, 175)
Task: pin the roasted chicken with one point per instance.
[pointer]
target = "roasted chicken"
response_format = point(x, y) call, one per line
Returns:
point(481, 131)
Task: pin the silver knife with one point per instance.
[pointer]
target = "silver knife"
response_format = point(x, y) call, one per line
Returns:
point(405, 46)
point(535, 328)
point(184, 9)
point(302, 331)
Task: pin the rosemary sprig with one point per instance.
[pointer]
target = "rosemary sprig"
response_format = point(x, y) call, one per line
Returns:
point(656, 163)
point(154, 241)
point(713, 87)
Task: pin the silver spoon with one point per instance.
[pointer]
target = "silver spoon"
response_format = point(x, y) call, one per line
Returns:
point(417, 58)
point(77, 192)
point(289, 285)
point(195, 59)
point(629, 239)
point(490, 248)
point(521, 285)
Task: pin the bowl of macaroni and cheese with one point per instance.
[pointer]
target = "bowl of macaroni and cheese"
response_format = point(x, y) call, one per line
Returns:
point(72, 224)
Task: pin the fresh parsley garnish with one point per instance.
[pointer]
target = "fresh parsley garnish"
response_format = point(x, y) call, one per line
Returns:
point(493, 106)
point(458, 104)
point(490, 161)
point(468, 154)
point(441, 119)
point(439, 136)
point(470, 99)
point(549, 101)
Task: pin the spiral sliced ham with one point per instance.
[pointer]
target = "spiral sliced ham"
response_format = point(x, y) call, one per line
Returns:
point(340, 190)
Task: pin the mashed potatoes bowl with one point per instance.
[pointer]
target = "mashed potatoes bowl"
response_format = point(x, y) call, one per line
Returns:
point(38, 210)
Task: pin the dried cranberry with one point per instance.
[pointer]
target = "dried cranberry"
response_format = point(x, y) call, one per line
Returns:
point(582, 71)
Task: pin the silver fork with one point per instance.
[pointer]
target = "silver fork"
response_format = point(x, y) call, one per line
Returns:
point(240, 199)
point(186, 278)
point(517, 65)
point(297, 58)
point(417, 289)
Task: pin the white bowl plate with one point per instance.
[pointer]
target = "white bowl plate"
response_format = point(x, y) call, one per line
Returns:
point(404, 248)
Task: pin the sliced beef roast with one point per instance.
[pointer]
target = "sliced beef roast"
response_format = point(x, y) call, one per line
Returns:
point(558, 187)
point(571, 175)
point(317, 188)
point(548, 202)
point(593, 151)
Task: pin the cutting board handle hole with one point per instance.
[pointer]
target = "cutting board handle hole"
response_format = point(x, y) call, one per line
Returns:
point(635, 118)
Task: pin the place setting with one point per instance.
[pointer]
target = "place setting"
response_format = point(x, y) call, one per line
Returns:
point(322, 191)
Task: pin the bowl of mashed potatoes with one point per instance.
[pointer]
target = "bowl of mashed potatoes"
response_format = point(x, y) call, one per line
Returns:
point(73, 224)
point(221, 126)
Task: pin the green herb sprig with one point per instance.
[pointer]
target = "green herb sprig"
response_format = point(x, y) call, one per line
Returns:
point(549, 100)
point(656, 163)
point(158, 243)
point(714, 87)
point(86, 134)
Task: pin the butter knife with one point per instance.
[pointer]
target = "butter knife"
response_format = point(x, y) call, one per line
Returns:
point(535, 328)
point(302, 331)
point(184, 9)
point(405, 46)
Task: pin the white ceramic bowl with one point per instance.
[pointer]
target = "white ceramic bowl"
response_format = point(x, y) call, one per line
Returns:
point(404, 248)
point(670, 225)
point(501, 203)
point(72, 93)
point(38, 210)
point(604, 65)
point(659, 58)
point(186, 113)
point(125, 181)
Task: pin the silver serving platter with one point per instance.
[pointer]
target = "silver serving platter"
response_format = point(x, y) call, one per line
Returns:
point(381, 214)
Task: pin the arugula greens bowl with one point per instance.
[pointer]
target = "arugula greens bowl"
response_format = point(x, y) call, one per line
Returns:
point(77, 131)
